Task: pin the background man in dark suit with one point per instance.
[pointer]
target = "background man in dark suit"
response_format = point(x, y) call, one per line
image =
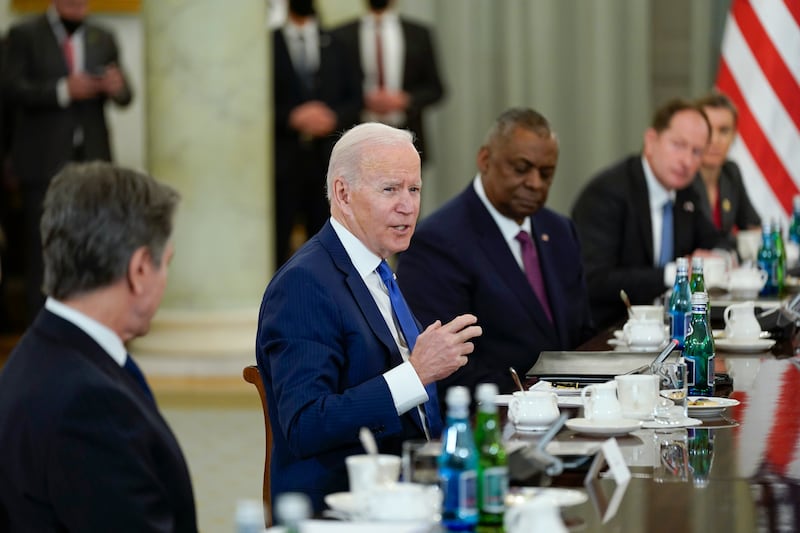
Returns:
point(329, 351)
point(465, 257)
point(60, 71)
point(398, 69)
point(83, 446)
point(620, 214)
point(316, 93)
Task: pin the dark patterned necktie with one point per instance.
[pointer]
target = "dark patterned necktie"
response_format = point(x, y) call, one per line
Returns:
point(134, 370)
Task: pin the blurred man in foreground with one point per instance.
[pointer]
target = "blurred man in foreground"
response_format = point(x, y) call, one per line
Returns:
point(635, 217)
point(337, 347)
point(495, 251)
point(83, 446)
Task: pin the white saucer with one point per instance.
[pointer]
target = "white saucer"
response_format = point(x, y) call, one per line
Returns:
point(530, 429)
point(744, 345)
point(683, 423)
point(720, 334)
point(621, 426)
point(344, 502)
point(562, 497)
point(715, 409)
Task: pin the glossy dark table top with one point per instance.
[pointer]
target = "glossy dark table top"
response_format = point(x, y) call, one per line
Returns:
point(754, 479)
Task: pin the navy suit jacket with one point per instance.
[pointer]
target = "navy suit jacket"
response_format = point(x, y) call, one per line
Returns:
point(612, 215)
point(43, 130)
point(421, 79)
point(322, 347)
point(82, 447)
point(737, 211)
point(458, 262)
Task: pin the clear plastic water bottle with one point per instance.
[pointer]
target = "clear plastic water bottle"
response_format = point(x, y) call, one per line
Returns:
point(492, 461)
point(680, 303)
point(249, 516)
point(291, 508)
point(458, 465)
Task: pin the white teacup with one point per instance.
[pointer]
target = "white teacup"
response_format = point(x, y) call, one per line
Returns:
point(644, 332)
point(746, 282)
point(600, 402)
point(715, 272)
point(647, 312)
point(741, 321)
point(365, 472)
point(533, 409)
point(537, 514)
point(638, 394)
point(399, 502)
point(747, 244)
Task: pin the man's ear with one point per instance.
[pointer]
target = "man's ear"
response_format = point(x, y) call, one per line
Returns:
point(482, 159)
point(341, 193)
point(650, 137)
point(139, 266)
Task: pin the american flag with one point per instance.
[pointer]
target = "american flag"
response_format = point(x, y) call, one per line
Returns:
point(760, 71)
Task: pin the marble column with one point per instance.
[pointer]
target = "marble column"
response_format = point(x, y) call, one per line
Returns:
point(208, 135)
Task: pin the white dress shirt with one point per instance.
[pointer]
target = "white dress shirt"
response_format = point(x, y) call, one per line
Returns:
point(508, 227)
point(393, 59)
point(102, 335)
point(407, 390)
point(658, 195)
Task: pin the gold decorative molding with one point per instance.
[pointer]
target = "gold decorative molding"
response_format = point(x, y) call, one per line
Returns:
point(95, 6)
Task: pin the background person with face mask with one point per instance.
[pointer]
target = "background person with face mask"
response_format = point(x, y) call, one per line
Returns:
point(397, 65)
point(316, 94)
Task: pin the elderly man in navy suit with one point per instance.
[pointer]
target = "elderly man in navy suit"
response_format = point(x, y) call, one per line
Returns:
point(495, 251)
point(83, 446)
point(337, 347)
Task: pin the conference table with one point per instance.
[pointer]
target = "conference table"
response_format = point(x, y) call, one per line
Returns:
point(753, 483)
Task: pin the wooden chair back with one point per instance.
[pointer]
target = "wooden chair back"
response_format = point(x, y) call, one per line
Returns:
point(252, 375)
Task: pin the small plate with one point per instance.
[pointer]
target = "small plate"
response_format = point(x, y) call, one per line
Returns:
point(610, 428)
point(712, 407)
point(744, 345)
point(562, 497)
point(344, 502)
point(530, 429)
point(720, 334)
point(682, 423)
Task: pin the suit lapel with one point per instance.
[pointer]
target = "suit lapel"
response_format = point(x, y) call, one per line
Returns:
point(547, 250)
point(359, 290)
point(491, 241)
point(641, 206)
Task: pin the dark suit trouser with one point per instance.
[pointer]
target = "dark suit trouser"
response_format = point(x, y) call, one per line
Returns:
point(299, 197)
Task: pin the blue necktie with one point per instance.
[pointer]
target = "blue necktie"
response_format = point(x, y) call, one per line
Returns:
point(134, 370)
point(667, 241)
point(410, 332)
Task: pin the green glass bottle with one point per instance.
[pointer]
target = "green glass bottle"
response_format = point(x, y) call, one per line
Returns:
point(780, 256)
point(697, 283)
point(701, 455)
point(492, 462)
point(698, 350)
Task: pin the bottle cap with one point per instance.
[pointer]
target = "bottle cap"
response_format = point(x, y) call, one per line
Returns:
point(682, 264)
point(249, 513)
point(457, 396)
point(796, 202)
point(292, 507)
point(697, 263)
point(699, 298)
point(486, 392)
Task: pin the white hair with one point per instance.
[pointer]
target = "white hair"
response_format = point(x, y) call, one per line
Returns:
point(355, 146)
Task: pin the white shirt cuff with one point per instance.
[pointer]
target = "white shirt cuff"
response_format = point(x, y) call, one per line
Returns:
point(62, 92)
point(406, 388)
point(670, 271)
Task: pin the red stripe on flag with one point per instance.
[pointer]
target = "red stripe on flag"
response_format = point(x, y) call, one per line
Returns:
point(783, 437)
point(794, 8)
point(757, 143)
point(769, 59)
